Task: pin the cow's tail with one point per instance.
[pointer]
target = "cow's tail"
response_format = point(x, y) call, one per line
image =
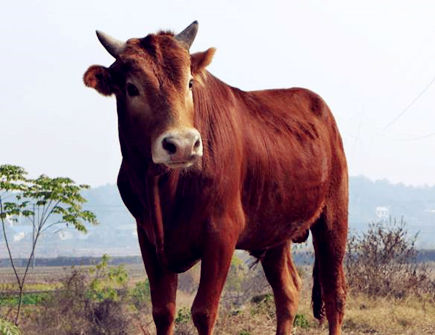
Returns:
point(316, 298)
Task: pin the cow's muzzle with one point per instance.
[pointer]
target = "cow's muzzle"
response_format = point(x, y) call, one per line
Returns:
point(177, 148)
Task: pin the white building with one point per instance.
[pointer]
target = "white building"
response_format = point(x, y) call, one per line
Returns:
point(382, 213)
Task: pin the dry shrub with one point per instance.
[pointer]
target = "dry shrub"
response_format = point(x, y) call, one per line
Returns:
point(189, 280)
point(74, 310)
point(109, 317)
point(243, 283)
point(382, 262)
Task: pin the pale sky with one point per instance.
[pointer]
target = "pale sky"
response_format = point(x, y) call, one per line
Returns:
point(368, 59)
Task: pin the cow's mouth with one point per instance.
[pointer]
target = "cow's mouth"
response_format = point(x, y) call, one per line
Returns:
point(180, 164)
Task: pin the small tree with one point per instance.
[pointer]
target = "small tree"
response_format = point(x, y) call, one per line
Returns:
point(45, 203)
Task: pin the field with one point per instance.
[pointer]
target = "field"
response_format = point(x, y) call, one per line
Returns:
point(239, 315)
point(53, 274)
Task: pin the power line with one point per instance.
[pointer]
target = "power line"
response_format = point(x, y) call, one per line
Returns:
point(410, 104)
point(417, 137)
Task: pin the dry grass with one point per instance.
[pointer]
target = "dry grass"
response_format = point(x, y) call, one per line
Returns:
point(364, 315)
point(388, 316)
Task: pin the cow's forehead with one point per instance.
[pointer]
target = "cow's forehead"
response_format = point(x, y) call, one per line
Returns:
point(159, 54)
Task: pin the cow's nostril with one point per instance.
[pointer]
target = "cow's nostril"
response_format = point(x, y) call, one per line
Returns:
point(197, 144)
point(169, 146)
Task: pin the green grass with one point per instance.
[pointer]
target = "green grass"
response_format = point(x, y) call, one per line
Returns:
point(301, 321)
point(28, 299)
point(8, 328)
point(30, 287)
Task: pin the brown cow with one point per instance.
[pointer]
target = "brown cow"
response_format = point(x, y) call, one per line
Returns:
point(208, 168)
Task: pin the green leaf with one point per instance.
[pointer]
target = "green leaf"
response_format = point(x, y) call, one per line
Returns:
point(53, 199)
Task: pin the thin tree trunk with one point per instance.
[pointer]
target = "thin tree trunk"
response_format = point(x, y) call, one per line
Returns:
point(20, 301)
point(23, 279)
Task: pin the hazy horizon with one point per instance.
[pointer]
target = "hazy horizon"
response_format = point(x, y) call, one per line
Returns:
point(373, 63)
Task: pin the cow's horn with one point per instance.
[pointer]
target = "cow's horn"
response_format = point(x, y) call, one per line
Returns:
point(188, 35)
point(112, 45)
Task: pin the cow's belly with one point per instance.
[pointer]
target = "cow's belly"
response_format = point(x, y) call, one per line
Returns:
point(178, 264)
point(277, 210)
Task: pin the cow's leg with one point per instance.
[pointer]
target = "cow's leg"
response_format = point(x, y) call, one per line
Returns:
point(163, 287)
point(215, 264)
point(282, 275)
point(329, 239)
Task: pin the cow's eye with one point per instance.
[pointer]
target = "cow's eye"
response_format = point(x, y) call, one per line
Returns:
point(190, 83)
point(132, 90)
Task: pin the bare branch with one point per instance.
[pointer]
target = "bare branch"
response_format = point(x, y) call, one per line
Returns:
point(51, 225)
point(49, 213)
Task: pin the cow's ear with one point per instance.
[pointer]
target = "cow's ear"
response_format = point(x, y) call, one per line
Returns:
point(200, 60)
point(98, 77)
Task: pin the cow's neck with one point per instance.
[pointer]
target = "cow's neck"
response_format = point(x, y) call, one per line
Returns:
point(217, 119)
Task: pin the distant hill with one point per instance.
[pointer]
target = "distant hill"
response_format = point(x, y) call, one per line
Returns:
point(116, 234)
point(415, 204)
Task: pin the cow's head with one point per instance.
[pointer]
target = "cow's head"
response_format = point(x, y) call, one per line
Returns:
point(152, 79)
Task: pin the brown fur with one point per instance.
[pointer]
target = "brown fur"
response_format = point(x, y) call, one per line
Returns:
point(97, 77)
point(273, 168)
